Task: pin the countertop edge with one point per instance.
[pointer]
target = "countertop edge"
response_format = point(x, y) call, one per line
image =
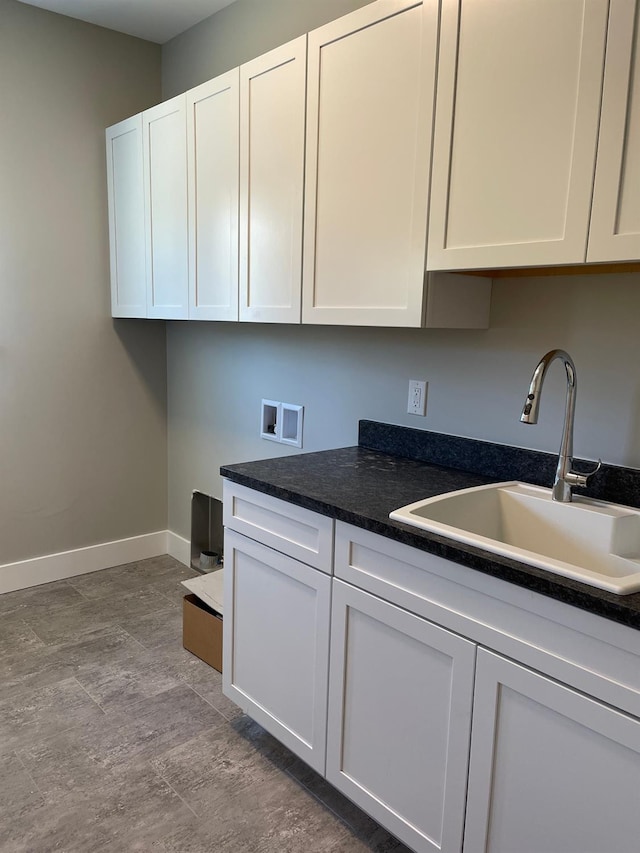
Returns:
point(574, 593)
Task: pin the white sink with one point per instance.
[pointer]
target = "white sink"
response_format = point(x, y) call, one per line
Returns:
point(591, 541)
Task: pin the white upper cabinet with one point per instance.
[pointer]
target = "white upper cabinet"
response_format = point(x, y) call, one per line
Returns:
point(165, 189)
point(272, 125)
point(212, 136)
point(516, 126)
point(303, 185)
point(371, 78)
point(126, 218)
point(615, 217)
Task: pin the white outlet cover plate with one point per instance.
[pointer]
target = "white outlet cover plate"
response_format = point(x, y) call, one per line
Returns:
point(417, 399)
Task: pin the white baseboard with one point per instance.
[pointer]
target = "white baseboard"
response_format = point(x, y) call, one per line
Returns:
point(68, 564)
point(179, 548)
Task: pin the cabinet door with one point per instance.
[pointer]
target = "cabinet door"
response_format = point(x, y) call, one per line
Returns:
point(615, 216)
point(276, 644)
point(399, 718)
point(165, 186)
point(125, 188)
point(212, 136)
point(369, 118)
point(516, 127)
point(551, 770)
point(272, 110)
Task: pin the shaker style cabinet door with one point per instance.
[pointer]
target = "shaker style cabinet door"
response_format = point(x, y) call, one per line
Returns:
point(212, 136)
point(272, 121)
point(126, 218)
point(615, 216)
point(516, 126)
point(165, 188)
point(400, 698)
point(276, 644)
point(551, 769)
point(371, 77)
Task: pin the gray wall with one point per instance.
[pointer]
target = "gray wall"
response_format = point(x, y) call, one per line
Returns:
point(217, 373)
point(239, 32)
point(82, 399)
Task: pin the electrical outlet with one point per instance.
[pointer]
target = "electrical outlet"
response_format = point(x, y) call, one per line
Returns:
point(417, 402)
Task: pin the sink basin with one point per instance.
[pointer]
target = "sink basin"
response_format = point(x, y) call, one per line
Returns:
point(594, 542)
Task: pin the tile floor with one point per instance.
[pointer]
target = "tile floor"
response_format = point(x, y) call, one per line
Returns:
point(114, 738)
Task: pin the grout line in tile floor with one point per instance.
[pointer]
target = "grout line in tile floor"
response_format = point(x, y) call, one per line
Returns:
point(95, 701)
point(160, 775)
point(180, 759)
point(27, 772)
point(79, 591)
point(131, 637)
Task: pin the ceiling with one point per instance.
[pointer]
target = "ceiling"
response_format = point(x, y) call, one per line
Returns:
point(154, 20)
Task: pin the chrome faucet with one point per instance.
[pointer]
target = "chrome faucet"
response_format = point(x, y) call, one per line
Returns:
point(565, 478)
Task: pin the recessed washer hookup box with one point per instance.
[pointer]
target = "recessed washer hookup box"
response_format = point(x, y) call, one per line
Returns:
point(202, 631)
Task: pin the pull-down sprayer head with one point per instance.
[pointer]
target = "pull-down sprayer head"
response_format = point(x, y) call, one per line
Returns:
point(532, 403)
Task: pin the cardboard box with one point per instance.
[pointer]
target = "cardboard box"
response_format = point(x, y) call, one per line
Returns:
point(202, 631)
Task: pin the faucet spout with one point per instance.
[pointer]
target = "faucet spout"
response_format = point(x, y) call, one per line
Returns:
point(565, 477)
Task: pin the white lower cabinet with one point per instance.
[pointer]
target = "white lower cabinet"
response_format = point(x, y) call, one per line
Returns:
point(399, 720)
point(552, 770)
point(463, 713)
point(276, 644)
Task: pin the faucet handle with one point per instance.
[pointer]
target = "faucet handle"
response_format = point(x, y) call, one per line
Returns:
point(595, 470)
point(581, 480)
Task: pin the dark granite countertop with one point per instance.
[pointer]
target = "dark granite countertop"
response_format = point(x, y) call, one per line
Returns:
point(394, 466)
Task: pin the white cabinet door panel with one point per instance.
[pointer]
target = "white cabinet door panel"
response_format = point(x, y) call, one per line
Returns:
point(551, 770)
point(370, 109)
point(400, 699)
point(517, 113)
point(212, 133)
point(126, 218)
point(165, 185)
point(276, 644)
point(615, 218)
point(272, 103)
